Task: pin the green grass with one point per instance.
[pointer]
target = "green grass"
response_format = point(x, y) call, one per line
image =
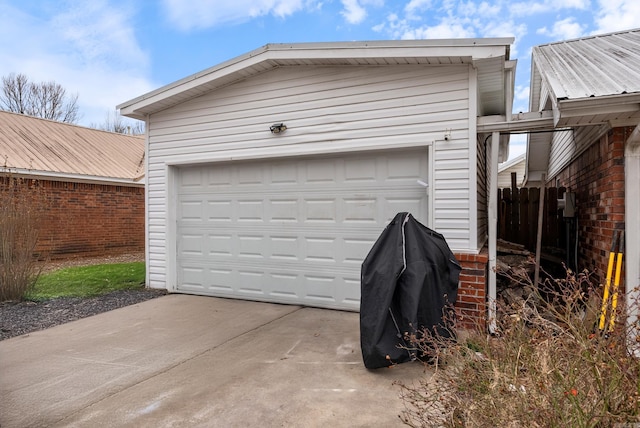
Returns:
point(88, 281)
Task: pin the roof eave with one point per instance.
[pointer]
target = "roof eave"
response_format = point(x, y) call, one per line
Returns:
point(593, 106)
point(74, 178)
point(268, 55)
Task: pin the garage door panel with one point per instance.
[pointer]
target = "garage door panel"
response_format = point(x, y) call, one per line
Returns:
point(284, 173)
point(191, 210)
point(220, 176)
point(403, 169)
point(320, 249)
point(359, 171)
point(219, 210)
point(293, 230)
point(322, 171)
point(283, 210)
point(360, 209)
point(320, 210)
point(414, 205)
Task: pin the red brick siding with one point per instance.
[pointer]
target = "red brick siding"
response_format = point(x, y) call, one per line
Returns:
point(471, 305)
point(597, 178)
point(91, 219)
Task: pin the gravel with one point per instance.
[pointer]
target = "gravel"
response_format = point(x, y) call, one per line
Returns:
point(18, 318)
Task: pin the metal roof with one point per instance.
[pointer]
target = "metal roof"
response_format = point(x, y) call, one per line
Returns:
point(48, 148)
point(588, 82)
point(488, 55)
point(594, 66)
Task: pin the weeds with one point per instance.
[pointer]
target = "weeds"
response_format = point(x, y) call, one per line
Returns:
point(548, 365)
point(21, 211)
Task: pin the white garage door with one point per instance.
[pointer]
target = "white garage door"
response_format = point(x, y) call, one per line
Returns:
point(291, 230)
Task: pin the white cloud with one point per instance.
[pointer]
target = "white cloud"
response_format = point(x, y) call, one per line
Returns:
point(479, 10)
point(564, 29)
point(193, 14)
point(88, 47)
point(616, 15)
point(99, 32)
point(443, 30)
point(532, 8)
point(416, 6)
point(353, 11)
point(521, 98)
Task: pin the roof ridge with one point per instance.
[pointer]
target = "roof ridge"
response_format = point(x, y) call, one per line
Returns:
point(591, 36)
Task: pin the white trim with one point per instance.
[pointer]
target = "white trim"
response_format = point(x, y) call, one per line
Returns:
point(171, 240)
point(473, 157)
point(269, 55)
point(632, 228)
point(311, 149)
point(147, 235)
point(511, 162)
point(529, 121)
point(493, 225)
point(74, 178)
point(431, 200)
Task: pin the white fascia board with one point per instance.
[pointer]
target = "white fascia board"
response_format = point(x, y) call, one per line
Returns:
point(508, 164)
point(622, 103)
point(470, 48)
point(74, 178)
point(529, 121)
point(130, 108)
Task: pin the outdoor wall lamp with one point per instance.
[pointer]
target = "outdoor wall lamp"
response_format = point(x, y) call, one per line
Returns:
point(277, 128)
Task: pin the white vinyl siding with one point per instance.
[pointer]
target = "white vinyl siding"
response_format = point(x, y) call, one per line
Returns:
point(504, 176)
point(327, 110)
point(568, 145)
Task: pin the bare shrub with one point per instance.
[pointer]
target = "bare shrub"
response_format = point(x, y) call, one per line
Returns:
point(548, 365)
point(21, 211)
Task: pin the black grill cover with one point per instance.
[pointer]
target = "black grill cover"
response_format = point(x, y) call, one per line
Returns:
point(408, 280)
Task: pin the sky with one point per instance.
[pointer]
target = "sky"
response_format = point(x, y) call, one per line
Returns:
point(110, 51)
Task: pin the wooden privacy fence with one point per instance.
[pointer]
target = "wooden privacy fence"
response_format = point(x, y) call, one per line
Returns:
point(518, 217)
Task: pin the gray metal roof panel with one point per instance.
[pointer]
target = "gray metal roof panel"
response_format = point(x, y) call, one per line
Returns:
point(592, 66)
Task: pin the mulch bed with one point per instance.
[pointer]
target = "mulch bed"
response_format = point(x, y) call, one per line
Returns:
point(18, 318)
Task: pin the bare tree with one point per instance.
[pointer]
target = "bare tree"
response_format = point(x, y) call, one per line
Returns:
point(48, 100)
point(114, 122)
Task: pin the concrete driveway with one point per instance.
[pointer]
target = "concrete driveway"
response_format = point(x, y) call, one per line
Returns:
point(191, 361)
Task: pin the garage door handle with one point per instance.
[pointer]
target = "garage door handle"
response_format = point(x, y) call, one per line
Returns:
point(425, 185)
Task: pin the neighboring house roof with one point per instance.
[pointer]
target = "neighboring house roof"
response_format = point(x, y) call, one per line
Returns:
point(505, 169)
point(34, 146)
point(593, 80)
point(486, 55)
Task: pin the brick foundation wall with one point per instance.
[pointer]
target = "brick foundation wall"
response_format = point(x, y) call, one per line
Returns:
point(82, 219)
point(597, 178)
point(471, 305)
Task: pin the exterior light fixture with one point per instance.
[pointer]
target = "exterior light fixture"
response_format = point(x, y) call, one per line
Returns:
point(277, 128)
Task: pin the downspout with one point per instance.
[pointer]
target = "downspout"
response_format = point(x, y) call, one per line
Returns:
point(632, 231)
point(493, 227)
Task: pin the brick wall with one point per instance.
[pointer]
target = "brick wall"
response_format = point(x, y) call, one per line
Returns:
point(82, 219)
point(597, 178)
point(471, 306)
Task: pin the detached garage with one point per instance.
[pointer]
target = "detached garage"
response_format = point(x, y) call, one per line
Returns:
point(270, 176)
